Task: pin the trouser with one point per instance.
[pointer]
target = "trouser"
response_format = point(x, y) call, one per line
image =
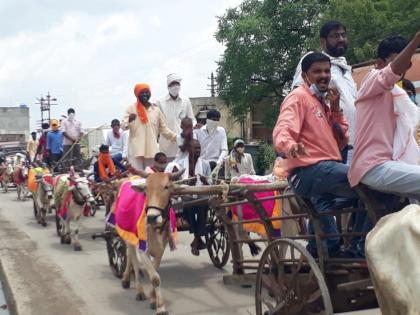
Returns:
point(140, 163)
point(117, 158)
point(394, 177)
point(53, 158)
point(324, 183)
point(196, 217)
point(74, 157)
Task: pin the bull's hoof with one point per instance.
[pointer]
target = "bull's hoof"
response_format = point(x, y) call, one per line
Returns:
point(141, 297)
point(163, 313)
point(153, 305)
point(77, 247)
point(44, 224)
point(62, 240)
point(125, 284)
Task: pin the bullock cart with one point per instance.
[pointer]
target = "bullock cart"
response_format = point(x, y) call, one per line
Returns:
point(217, 239)
point(287, 278)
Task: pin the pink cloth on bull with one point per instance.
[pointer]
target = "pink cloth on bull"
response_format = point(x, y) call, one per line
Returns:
point(130, 218)
point(65, 206)
point(272, 208)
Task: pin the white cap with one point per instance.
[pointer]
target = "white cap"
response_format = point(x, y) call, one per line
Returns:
point(173, 77)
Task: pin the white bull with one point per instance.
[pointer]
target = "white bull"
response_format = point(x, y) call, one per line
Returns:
point(73, 194)
point(393, 255)
point(43, 198)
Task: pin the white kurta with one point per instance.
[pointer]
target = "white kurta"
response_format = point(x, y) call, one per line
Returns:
point(143, 138)
point(174, 111)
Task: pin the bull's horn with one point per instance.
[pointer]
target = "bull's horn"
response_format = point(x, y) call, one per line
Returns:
point(176, 175)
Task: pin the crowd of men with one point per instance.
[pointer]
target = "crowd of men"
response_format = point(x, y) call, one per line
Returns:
point(333, 136)
point(336, 137)
point(153, 137)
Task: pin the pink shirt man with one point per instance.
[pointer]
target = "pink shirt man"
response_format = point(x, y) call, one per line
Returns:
point(303, 119)
point(375, 123)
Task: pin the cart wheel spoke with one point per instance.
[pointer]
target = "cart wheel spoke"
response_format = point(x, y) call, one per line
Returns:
point(289, 282)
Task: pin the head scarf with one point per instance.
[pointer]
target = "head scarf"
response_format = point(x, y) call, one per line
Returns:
point(173, 77)
point(105, 162)
point(54, 124)
point(141, 111)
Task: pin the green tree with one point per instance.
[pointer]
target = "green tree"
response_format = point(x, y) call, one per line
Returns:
point(370, 21)
point(264, 41)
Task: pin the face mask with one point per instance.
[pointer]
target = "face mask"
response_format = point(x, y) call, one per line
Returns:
point(240, 150)
point(174, 90)
point(211, 125)
point(71, 116)
point(412, 98)
point(317, 92)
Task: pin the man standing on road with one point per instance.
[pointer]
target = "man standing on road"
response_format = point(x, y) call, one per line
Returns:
point(31, 146)
point(213, 141)
point(333, 38)
point(174, 106)
point(72, 132)
point(312, 130)
point(146, 124)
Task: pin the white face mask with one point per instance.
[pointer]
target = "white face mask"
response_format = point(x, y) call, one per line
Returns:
point(240, 150)
point(211, 125)
point(174, 90)
point(71, 116)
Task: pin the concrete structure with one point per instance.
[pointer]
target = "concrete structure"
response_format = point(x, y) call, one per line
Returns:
point(202, 104)
point(14, 124)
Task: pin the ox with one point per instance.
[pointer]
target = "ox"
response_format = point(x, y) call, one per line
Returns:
point(71, 196)
point(158, 187)
point(392, 252)
point(6, 172)
point(20, 179)
point(43, 197)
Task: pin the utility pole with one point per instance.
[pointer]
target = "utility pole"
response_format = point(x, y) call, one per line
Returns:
point(212, 85)
point(45, 104)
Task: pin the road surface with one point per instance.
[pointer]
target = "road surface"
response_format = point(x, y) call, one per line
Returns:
point(47, 275)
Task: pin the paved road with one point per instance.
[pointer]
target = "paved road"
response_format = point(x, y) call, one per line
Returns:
point(81, 282)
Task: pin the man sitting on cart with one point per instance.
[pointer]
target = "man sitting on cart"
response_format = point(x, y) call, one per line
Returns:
point(199, 171)
point(374, 161)
point(104, 168)
point(312, 131)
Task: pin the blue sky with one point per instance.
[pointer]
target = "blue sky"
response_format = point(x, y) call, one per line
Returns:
point(89, 54)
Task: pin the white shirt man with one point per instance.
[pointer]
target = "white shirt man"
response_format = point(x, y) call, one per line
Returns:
point(213, 140)
point(334, 43)
point(174, 107)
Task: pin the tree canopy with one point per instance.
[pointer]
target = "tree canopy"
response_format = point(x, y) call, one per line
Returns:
point(265, 39)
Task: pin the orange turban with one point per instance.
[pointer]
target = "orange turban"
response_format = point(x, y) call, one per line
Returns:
point(138, 88)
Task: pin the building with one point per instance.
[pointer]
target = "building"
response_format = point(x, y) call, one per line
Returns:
point(14, 124)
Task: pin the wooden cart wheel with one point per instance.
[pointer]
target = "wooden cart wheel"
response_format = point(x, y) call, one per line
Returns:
point(117, 254)
point(290, 282)
point(59, 226)
point(217, 241)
